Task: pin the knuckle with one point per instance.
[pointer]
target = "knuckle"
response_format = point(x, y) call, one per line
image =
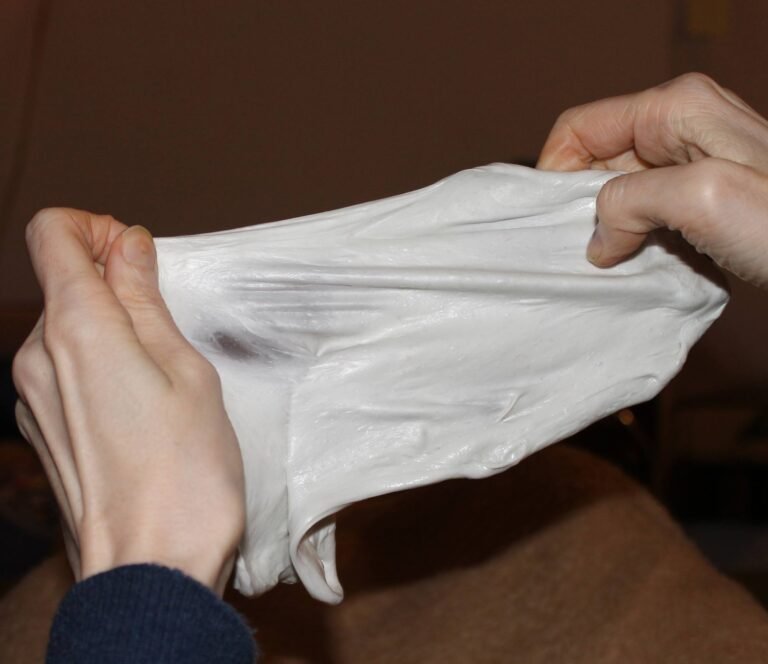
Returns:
point(713, 181)
point(28, 369)
point(685, 110)
point(697, 85)
point(68, 330)
point(47, 224)
point(78, 322)
point(42, 220)
point(197, 372)
point(567, 117)
point(689, 96)
point(21, 371)
point(208, 376)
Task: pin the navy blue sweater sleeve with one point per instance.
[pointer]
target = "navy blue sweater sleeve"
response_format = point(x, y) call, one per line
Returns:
point(147, 613)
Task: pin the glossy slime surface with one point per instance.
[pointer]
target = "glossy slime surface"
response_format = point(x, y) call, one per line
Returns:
point(447, 332)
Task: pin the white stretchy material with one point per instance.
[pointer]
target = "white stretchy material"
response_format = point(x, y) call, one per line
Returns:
point(448, 332)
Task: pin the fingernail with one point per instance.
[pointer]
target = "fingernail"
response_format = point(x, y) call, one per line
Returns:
point(595, 247)
point(138, 247)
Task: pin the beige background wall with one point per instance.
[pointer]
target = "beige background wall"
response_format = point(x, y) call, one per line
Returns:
point(196, 115)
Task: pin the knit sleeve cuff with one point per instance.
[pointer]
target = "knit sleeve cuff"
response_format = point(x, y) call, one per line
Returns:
point(147, 613)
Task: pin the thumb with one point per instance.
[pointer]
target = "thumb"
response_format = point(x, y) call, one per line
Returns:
point(718, 206)
point(692, 198)
point(131, 272)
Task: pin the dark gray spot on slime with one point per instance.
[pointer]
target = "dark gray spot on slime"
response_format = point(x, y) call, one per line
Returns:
point(233, 347)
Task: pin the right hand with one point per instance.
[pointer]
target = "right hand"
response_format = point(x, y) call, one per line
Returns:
point(697, 162)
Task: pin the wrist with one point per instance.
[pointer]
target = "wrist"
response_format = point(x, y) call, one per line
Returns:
point(211, 571)
point(207, 564)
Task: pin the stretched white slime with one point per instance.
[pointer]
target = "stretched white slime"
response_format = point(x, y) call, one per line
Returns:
point(448, 332)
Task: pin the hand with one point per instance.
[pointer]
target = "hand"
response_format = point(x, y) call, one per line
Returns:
point(126, 416)
point(697, 158)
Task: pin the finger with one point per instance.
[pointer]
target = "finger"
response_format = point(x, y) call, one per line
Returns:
point(131, 272)
point(40, 415)
point(688, 118)
point(72, 549)
point(624, 220)
point(65, 245)
point(33, 435)
point(628, 162)
point(737, 101)
point(24, 359)
point(596, 131)
point(703, 200)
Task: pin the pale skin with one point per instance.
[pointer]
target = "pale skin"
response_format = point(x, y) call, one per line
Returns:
point(128, 417)
point(697, 158)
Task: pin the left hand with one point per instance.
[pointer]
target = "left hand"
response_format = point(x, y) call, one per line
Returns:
point(127, 417)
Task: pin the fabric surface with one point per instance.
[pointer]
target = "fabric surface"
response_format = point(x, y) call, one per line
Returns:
point(560, 559)
point(448, 332)
point(147, 613)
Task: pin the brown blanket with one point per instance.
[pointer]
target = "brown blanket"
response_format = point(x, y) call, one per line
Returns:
point(561, 559)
